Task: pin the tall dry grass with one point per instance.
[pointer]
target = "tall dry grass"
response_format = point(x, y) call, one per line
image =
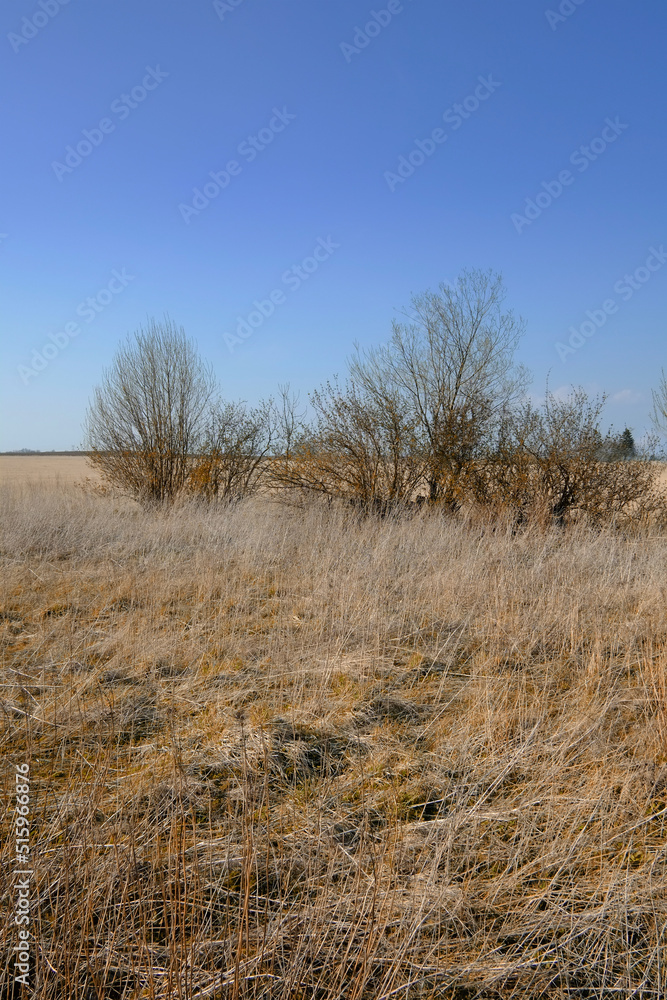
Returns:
point(280, 753)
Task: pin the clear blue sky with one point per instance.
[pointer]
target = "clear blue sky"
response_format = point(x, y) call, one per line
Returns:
point(198, 81)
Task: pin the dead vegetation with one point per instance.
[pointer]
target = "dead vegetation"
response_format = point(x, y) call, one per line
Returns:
point(436, 416)
point(281, 753)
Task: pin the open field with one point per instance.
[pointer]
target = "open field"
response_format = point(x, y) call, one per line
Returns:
point(68, 469)
point(296, 754)
point(54, 469)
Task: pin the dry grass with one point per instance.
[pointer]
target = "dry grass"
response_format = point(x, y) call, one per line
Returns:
point(294, 754)
point(57, 470)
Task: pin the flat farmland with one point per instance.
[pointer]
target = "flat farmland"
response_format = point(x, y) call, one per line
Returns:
point(31, 469)
point(70, 469)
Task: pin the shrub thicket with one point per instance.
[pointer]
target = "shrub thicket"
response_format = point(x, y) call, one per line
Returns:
point(437, 415)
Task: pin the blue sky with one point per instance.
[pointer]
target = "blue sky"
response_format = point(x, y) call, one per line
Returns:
point(306, 120)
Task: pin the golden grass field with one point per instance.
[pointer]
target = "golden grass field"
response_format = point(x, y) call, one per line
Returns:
point(35, 469)
point(292, 753)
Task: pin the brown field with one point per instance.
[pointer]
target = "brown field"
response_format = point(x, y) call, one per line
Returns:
point(280, 753)
point(54, 469)
point(65, 469)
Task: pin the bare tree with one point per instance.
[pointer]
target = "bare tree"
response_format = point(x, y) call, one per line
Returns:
point(554, 462)
point(452, 365)
point(289, 419)
point(360, 449)
point(147, 418)
point(233, 459)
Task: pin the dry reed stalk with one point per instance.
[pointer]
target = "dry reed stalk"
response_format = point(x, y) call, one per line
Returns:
point(280, 753)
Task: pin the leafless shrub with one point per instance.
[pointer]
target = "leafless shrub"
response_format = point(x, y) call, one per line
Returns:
point(450, 369)
point(415, 415)
point(553, 463)
point(147, 417)
point(232, 463)
point(361, 450)
point(434, 416)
